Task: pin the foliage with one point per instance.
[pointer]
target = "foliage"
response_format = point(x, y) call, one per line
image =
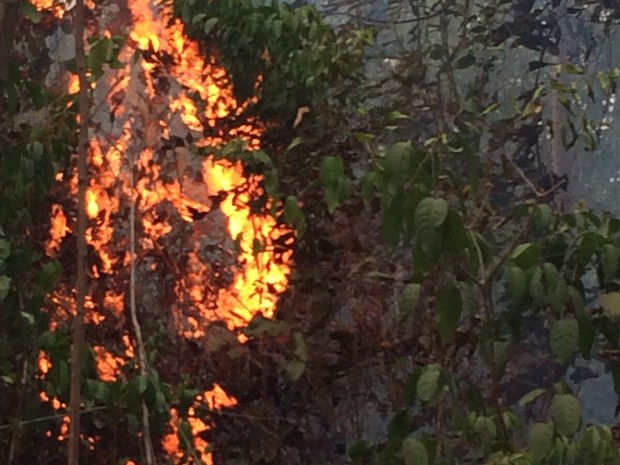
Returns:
point(438, 160)
point(435, 161)
point(483, 267)
point(37, 127)
point(37, 132)
point(286, 58)
point(438, 156)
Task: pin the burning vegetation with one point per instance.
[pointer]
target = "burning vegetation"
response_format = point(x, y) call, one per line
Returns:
point(204, 252)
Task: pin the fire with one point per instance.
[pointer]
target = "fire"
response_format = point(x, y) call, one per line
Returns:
point(58, 230)
point(55, 6)
point(215, 399)
point(198, 238)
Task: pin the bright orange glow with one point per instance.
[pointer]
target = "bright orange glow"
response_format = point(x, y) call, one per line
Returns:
point(203, 254)
point(55, 6)
point(108, 365)
point(215, 399)
point(58, 230)
point(73, 84)
point(44, 364)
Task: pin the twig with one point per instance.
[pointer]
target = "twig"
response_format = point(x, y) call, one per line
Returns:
point(488, 277)
point(55, 416)
point(142, 359)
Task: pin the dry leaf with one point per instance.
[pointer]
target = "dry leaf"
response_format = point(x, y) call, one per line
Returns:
point(301, 111)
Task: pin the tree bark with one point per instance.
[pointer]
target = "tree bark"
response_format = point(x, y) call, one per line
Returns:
point(82, 162)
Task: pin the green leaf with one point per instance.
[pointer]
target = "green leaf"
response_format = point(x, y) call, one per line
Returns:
point(5, 249)
point(449, 306)
point(609, 258)
point(430, 214)
point(611, 304)
point(537, 290)
point(210, 24)
point(540, 439)
point(566, 414)
point(396, 115)
point(576, 299)
point(428, 382)
point(199, 17)
point(587, 335)
point(517, 282)
point(409, 298)
point(414, 452)
point(294, 143)
point(551, 274)
point(294, 215)
point(334, 181)
point(301, 348)
point(391, 225)
point(564, 339)
point(49, 275)
point(526, 255)
point(544, 218)
point(294, 369)
point(454, 234)
point(28, 10)
point(262, 157)
point(185, 434)
point(132, 423)
point(142, 382)
point(331, 170)
point(531, 396)
point(5, 287)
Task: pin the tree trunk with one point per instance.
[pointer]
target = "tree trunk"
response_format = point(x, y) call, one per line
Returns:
point(78, 319)
point(561, 159)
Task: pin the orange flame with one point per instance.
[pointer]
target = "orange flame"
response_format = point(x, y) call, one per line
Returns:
point(215, 399)
point(168, 90)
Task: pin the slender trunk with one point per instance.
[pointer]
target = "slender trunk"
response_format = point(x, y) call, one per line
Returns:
point(78, 319)
point(561, 159)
